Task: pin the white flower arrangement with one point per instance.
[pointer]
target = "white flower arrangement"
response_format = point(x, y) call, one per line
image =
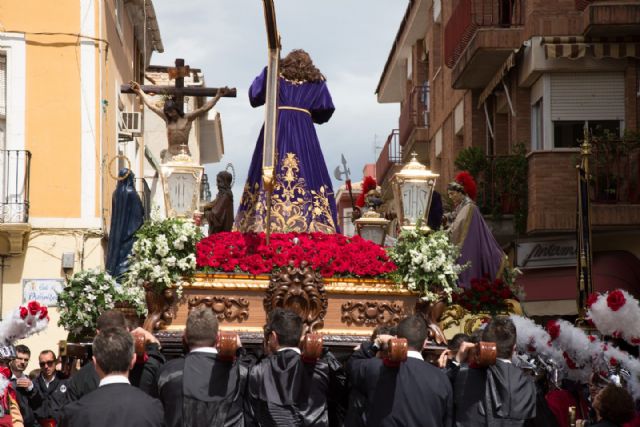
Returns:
point(427, 264)
point(164, 253)
point(90, 292)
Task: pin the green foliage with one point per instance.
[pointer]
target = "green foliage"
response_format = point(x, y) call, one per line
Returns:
point(472, 159)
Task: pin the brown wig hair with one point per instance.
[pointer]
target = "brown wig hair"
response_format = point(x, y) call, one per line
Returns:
point(298, 66)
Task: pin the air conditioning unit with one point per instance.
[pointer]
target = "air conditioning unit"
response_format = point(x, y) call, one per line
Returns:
point(130, 123)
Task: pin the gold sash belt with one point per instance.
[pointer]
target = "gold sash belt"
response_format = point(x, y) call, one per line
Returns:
point(284, 107)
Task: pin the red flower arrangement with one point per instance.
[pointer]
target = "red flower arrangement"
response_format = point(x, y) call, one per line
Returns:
point(330, 254)
point(485, 296)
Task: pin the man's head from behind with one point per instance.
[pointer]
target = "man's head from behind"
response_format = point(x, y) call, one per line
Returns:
point(111, 319)
point(113, 352)
point(284, 329)
point(201, 329)
point(501, 331)
point(414, 329)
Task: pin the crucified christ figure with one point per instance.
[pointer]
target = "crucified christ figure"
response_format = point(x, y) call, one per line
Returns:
point(178, 123)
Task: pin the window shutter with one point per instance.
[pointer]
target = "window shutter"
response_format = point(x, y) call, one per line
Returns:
point(3, 85)
point(587, 96)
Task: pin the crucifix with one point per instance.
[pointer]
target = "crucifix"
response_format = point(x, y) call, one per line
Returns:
point(178, 123)
point(271, 108)
point(181, 177)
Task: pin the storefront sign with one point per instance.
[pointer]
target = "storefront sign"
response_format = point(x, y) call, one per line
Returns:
point(546, 253)
point(45, 291)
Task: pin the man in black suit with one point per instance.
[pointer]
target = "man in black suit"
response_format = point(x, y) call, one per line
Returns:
point(200, 390)
point(413, 393)
point(115, 402)
point(501, 395)
point(285, 390)
point(51, 388)
point(144, 374)
point(26, 391)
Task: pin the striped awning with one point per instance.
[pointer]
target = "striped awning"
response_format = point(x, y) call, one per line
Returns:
point(564, 47)
point(616, 50)
point(577, 47)
point(497, 78)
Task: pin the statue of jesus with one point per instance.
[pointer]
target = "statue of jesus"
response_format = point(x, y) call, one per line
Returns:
point(178, 123)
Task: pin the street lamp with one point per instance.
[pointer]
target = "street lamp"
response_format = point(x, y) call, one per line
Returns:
point(413, 188)
point(371, 225)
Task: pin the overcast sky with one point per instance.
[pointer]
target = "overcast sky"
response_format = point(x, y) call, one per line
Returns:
point(349, 41)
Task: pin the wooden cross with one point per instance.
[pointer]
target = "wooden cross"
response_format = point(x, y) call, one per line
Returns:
point(178, 91)
point(270, 108)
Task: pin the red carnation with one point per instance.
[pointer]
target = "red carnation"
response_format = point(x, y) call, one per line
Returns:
point(615, 300)
point(613, 361)
point(23, 312)
point(33, 307)
point(554, 329)
point(616, 334)
point(44, 312)
point(591, 338)
point(592, 299)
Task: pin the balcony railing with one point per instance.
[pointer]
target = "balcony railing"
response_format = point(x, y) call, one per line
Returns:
point(391, 154)
point(470, 15)
point(14, 197)
point(415, 111)
point(615, 171)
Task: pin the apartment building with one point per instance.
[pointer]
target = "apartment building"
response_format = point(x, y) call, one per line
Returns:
point(506, 88)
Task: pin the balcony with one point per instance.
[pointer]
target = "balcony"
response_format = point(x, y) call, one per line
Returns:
point(414, 115)
point(390, 156)
point(14, 202)
point(615, 188)
point(604, 18)
point(479, 37)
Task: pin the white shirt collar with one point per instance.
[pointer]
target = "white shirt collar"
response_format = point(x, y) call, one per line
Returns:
point(415, 355)
point(209, 350)
point(296, 349)
point(114, 379)
point(47, 382)
point(504, 360)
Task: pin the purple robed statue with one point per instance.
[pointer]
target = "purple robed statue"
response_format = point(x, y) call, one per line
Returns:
point(302, 199)
point(470, 232)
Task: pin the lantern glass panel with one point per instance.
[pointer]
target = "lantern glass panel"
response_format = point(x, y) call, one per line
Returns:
point(374, 233)
point(415, 199)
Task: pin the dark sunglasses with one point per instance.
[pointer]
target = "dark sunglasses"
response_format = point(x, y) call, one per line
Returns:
point(48, 363)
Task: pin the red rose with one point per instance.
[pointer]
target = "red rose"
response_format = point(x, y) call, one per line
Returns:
point(615, 300)
point(613, 361)
point(33, 307)
point(554, 329)
point(23, 312)
point(592, 299)
point(591, 338)
point(43, 312)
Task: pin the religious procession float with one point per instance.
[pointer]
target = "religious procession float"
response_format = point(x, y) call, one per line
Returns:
point(283, 248)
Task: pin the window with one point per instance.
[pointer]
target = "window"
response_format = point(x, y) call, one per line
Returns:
point(119, 12)
point(537, 126)
point(569, 134)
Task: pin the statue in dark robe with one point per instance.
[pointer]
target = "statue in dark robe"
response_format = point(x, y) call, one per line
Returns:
point(127, 216)
point(219, 213)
